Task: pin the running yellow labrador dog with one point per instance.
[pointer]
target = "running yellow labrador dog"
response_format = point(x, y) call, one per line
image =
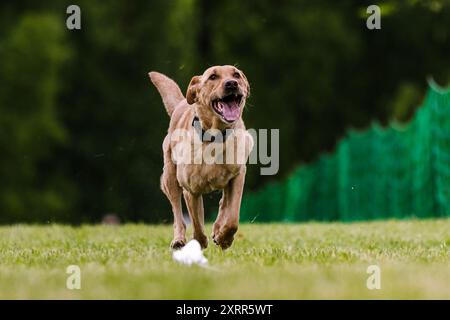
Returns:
point(206, 149)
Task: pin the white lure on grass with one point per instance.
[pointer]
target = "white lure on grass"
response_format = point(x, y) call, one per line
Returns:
point(190, 254)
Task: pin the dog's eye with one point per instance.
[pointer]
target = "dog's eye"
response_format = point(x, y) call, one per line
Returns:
point(213, 77)
point(237, 75)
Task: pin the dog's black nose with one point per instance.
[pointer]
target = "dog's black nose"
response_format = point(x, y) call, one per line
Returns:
point(231, 84)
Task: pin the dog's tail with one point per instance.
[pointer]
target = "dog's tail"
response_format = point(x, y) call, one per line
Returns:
point(170, 92)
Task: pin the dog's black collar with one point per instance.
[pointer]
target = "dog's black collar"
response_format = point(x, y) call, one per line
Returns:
point(206, 136)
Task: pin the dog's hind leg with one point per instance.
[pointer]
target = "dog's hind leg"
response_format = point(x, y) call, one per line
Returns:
point(172, 190)
point(173, 193)
point(196, 212)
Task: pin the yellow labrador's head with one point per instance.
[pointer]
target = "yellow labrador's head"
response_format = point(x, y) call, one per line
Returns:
point(220, 92)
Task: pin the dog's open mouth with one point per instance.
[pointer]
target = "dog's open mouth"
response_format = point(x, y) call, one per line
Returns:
point(228, 108)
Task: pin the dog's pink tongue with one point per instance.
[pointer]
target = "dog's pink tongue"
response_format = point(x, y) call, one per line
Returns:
point(230, 110)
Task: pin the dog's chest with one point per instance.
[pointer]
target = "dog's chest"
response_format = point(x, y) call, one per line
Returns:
point(205, 178)
point(206, 167)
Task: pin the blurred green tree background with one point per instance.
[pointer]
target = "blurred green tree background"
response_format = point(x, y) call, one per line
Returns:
point(81, 127)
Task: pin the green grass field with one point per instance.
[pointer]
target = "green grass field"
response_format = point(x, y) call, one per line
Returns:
point(272, 261)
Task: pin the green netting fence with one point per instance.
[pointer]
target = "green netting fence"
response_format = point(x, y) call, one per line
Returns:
point(399, 171)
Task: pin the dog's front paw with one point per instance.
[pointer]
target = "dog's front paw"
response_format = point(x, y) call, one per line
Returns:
point(215, 233)
point(224, 238)
point(177, 244)
point(202, 239)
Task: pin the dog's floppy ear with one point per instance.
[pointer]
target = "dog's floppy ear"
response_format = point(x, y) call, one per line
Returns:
point(191, 95)
point(247, 85)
